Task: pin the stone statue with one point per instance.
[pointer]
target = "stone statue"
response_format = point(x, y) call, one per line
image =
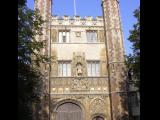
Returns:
point(79, 69)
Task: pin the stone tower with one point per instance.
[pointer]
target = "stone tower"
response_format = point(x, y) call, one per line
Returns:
point(116, 64)
point(86, 77)
point(44, 7)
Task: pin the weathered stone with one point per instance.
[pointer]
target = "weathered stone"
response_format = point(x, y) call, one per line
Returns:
point(91, 94)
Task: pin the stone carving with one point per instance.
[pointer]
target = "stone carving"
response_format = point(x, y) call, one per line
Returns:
point(79, 68)
point(79, 84)
point(83, 22)
point(77, 20)
point(55, 99)
point(54, 35)
point(97, 106)
point(78, 34)
point(94, 22)
point(101, 35)
point(54, 65)
point(103, 62)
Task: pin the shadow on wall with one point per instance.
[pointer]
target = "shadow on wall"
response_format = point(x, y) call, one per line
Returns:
point(124, 96)
point(41, 109)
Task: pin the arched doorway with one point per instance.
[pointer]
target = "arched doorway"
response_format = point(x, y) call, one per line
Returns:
point(98, 118)
point(69, 111)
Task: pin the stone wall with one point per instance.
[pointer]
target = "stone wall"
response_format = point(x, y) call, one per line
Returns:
point(92, 96)
point(115, 51)
point(91, 105)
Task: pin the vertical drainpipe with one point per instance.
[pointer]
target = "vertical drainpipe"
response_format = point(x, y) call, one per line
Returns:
point(107, 57)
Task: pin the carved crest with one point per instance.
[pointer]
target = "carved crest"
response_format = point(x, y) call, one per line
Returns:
point(79, 84)
point(97, 106)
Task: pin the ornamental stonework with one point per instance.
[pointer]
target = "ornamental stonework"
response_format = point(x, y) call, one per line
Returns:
point(91, 93)
point(79, 84)
point(79, 65)
point(54, 33)
point(103, 62)
point(97, 106)
point(54, 63)
point(101, 36)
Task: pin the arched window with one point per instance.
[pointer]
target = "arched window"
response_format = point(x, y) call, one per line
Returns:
point(69, 111)
point(98, 118)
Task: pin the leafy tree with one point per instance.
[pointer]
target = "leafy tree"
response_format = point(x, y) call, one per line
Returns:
point(133, 60)
point(21, 3)
point(29, 77)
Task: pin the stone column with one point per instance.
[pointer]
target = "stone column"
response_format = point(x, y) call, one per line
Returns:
point(44, 8)
point(116, 65)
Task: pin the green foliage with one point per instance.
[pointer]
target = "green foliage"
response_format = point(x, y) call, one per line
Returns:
point(21, 3)
point(133, 60)
point(29, 86)
point(134, 37)
point(29, 25)
point(29, 57)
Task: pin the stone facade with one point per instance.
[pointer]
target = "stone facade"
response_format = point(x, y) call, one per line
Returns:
point(116, 67)
point(97, 96)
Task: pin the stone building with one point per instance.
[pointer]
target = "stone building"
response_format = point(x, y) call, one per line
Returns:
point(133, 97)
point(85, 79)
point(134, 103)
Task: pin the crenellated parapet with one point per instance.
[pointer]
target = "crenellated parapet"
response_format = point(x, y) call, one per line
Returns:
point(77, 20)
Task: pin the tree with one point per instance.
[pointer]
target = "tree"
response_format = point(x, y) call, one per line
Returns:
point(29, 77)
point(133, 60)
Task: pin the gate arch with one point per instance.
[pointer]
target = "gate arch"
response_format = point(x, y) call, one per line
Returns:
point(69, 110)
point(98, 118)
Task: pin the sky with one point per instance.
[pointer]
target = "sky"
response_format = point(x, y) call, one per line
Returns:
point(93, 8)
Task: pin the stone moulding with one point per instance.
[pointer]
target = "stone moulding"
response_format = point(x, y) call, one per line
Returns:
point(66, 85)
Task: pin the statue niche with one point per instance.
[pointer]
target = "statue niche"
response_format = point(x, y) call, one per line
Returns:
point(79, 68)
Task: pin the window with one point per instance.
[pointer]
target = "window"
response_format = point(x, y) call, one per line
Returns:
point(93, 68)
point(64, 69)
point(91, 36)
point(64, 36)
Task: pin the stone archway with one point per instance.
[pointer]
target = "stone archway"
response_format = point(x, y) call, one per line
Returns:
point(68, 111)
point(98, 118)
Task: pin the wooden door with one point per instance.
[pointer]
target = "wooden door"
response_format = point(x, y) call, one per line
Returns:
point(69, 111)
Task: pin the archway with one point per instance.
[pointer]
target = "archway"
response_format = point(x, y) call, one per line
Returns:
point(69, 111)
point(98, 118)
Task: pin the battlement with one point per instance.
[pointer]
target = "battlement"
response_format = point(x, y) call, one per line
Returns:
point(87, 18)
point(77, 20)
